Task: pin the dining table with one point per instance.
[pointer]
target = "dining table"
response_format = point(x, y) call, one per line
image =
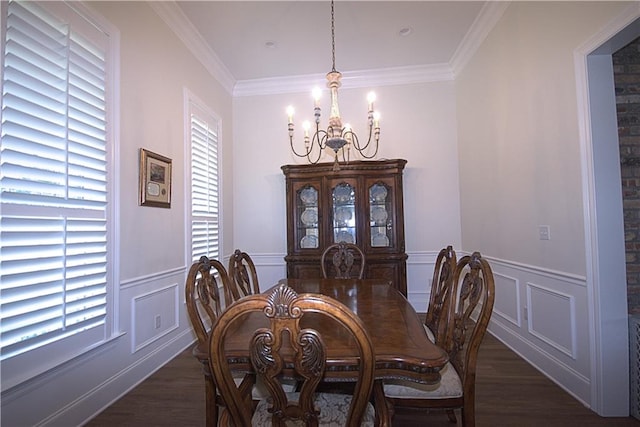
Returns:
point(402, 348)
point(401, 345)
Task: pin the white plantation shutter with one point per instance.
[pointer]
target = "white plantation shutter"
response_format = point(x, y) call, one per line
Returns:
point(54, 195)
point(205, 219)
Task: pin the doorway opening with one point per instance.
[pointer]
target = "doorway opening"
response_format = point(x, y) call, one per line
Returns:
point(604, 228)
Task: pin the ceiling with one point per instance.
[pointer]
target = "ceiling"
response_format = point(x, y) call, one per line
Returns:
point(265, 39)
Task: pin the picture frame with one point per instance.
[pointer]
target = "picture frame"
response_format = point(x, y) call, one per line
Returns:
point(155, 179)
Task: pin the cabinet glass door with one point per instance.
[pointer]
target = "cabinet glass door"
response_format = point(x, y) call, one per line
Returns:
point(380, 221)
point(344, 213)
point(307, 217)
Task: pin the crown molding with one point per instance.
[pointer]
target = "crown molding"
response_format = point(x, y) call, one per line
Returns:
point(490, 14)
point(350, 79)
point(173, 16)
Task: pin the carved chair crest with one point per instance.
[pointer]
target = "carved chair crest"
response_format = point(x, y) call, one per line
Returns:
point(343, 258)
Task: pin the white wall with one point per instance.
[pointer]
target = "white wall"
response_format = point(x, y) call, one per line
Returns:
point(521, 167)
point(155, 69)
point(518, 136)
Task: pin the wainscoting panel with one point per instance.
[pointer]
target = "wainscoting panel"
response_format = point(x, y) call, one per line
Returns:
point(507, 303)
point(552, 317)
point(153, 315)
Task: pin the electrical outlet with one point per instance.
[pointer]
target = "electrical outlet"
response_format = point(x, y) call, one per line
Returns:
point(544, 231)
point(158, 321)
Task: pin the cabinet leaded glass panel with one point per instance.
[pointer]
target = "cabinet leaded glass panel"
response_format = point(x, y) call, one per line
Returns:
point(379, 208)
point(344, 213)
point(308, 217)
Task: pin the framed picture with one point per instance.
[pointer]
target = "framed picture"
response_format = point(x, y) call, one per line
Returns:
point(155, 179)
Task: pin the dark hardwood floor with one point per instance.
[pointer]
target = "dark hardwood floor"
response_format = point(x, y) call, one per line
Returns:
point(509, 393)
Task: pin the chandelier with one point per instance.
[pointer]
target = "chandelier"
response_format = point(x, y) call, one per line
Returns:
point(340, 138)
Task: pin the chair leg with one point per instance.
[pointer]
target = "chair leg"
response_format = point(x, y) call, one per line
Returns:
point(384, 410)
point(468, 415)
point(211, 405)
point(452, 416)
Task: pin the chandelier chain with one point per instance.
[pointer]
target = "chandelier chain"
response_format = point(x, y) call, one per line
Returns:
point(333, 40)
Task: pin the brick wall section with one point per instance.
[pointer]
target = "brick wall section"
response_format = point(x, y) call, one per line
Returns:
point(626, 67)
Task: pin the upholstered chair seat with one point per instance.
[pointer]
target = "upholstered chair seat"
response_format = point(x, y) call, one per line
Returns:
point(450, 386)
point(333, 408)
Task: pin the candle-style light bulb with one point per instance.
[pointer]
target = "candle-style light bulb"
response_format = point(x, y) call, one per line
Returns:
point(371, 97)
point(376, 119)
point(317, 94)
point(347, 132)
point(290, 113)
point(306, 126)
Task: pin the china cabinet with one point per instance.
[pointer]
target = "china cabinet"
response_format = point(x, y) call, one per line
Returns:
point(361, 203)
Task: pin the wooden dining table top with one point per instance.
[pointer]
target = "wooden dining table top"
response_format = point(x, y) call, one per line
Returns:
point(402, 348)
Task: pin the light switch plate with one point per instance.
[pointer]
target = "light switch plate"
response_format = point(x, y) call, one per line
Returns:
point(544, 232)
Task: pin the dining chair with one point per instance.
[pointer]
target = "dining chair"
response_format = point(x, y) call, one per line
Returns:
point(242, 272)
point(342, 256)
point(473, 285)
point(284, 348)
point(441, 288)
point(204, 305)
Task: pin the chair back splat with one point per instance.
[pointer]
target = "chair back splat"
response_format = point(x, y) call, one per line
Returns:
point(202, 296)
point(284, 347)
point(474, 286)
point(439, 299)
point(242, 272)
point(340, 259)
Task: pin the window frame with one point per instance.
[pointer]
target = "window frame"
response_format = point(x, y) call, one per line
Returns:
point(24, 366)
point(193, 104)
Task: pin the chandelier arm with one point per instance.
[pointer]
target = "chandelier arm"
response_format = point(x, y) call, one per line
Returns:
point(352, 141)
point(306, 154)
point(321, 136)
point(345, 157)
point(313, 162)
point(375, 153)
point(356, 141)
point(318, 137)
point(362, 149)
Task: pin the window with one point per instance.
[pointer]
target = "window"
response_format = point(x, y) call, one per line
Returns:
point(205, 181)
point(55, 222)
